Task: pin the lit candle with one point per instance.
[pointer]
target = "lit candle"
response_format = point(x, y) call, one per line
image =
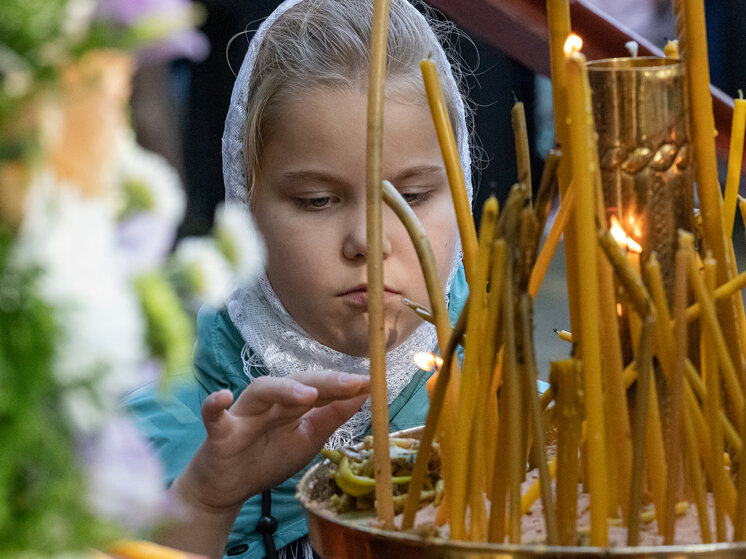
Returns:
point(376, 328)
point(558, 21)
point(735, 158)
point(579, 111)
point(452, 162)
point(438, 313)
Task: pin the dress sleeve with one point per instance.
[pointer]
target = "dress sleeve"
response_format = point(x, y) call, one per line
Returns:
point(170, 419)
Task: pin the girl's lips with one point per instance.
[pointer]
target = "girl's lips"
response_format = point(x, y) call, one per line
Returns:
point(359, 296)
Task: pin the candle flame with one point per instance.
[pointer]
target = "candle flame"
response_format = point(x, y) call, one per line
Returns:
point(619, 309)
point(573, 44)
point(621, 237)
point(427, 361)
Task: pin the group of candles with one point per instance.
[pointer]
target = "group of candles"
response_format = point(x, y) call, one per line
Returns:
point(486, 413)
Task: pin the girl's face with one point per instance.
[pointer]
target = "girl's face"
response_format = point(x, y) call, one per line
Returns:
point(309, 204)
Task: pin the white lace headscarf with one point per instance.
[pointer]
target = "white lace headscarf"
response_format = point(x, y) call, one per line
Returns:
point(274, 340)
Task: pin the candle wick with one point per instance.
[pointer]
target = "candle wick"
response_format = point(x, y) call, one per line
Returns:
point(515, 98)
point(740, 93)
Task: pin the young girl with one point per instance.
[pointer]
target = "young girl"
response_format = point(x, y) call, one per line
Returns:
point(294, 156)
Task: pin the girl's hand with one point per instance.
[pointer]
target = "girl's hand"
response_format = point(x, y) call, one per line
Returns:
point(274, 428)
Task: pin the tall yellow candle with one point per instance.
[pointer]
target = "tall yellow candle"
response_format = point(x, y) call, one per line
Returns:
point(520, 135)
point(452, 161)
point(703, 134)
point(712, 405)
point(558, 22)
point(735, 158)
point(675, 453)
point(579, 111)
point(376, 328)
point(468, 396)
point(708, 188)
point(566, 376)
point(694, 467)
point(711, 323)
point(553, 238)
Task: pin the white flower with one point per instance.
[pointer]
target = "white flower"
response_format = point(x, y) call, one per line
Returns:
point(77, 20)
point(124, 477)
point(142, 244)
point(239, 241)
point(71, 239)
point(17, 84)
point(202, 270)
point(148, 183)
point(15, 72)
point(151, 203)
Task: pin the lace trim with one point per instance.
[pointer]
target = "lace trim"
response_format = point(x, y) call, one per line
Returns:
point(277, 344)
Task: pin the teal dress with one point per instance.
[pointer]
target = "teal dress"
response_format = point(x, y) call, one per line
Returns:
point(173, 424)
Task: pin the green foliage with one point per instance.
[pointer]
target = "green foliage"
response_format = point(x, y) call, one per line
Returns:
point(41, 508)
point(170, 333)
point(138, 198)
point(26, 31)
point(227, 246)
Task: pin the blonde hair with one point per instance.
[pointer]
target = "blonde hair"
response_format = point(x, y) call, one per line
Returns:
point(325, 43)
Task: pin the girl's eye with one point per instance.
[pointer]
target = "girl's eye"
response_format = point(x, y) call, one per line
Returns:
point(416, 198)
point(315, 203)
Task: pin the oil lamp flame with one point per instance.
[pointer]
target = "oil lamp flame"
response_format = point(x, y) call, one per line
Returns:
point(427, 361)
point(617, 231)
point(573, 44)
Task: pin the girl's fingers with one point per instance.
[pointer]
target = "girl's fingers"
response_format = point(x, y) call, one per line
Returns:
point(322, 422)
point(215, 404)
point(265, 392)
point(350, 396)
point(314, 388)
point(334, 385)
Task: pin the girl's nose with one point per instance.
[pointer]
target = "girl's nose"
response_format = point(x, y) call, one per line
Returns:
point(355, 244)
